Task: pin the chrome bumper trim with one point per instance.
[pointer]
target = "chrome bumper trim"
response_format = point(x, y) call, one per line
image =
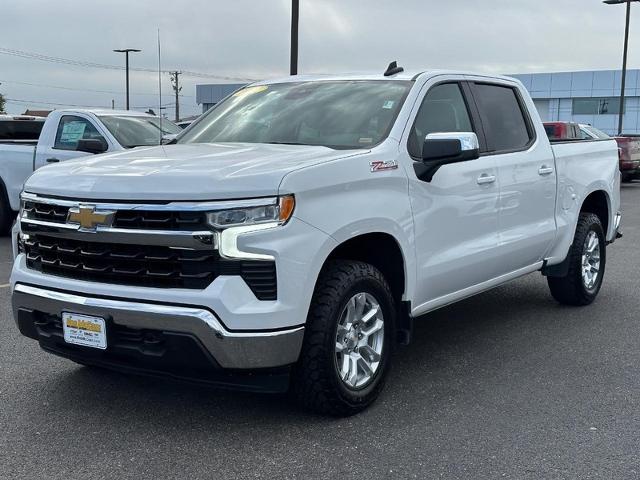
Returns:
point(235, 350)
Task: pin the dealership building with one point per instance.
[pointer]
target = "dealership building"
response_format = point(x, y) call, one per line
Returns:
point(583, 97)
point(586, 97)
point(208, 95)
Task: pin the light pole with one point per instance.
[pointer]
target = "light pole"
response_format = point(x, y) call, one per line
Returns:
point(126, 53)
point(624, 56)
point(295, 16)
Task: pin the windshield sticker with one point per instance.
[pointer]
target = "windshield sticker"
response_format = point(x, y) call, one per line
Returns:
point(245, 92)
point(72, 132)
point(365, 140)
point(388, 104)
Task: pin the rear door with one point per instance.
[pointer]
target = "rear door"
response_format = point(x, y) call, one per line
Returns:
point(526, 173)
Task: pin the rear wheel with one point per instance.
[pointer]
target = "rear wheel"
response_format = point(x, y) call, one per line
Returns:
point(587, 260)
point(348, 340)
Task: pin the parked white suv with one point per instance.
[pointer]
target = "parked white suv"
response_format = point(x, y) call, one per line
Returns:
point(291, 236)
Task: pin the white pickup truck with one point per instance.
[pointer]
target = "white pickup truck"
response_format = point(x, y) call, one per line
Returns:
point(289, 237)
point(68, 134)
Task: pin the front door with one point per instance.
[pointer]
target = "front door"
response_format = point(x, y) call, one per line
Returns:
point(456, 213)
point(71, 128)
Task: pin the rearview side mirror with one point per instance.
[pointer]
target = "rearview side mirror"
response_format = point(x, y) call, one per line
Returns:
point(444, 148)
point(92, 145)
point(168, 139)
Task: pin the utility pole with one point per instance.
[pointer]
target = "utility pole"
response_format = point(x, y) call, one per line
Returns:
point(624, 56)
point(126, 53)
point(295, 18)
point(175, 83)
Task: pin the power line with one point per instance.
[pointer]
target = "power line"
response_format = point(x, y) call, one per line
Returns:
point(42, 85)
point(21, 101)
point(104, 66)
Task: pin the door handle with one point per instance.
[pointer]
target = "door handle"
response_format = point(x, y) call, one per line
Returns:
point(486, 178)
point(545, 170)
point(52, 160)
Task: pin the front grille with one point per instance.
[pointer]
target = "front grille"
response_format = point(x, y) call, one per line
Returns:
point(45, 212)
point(129, 219)
point(144, 265)
point(161, 220)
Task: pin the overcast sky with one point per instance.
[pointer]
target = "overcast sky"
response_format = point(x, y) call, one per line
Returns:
point(250, 39)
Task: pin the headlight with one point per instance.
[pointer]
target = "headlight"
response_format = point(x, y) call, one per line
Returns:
point(276, 212)
point(237, 221)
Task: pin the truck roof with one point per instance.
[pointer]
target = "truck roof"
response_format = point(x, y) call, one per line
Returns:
point(103, 112)
point(404, 75)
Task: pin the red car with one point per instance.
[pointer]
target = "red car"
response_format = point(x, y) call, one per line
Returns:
point(563, 131)
point(629, 153)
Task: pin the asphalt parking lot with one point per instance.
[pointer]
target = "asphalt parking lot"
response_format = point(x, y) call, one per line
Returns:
point(507, 384)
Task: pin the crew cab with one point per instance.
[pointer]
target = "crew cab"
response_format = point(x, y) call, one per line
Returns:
point(30, 143)
point(290, 237)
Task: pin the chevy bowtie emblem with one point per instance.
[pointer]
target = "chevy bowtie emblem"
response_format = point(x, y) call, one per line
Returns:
point(88, 218)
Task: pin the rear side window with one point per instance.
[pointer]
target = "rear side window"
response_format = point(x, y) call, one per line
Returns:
point(443, 110)
point(71, 129)
point(503, 119)
point(20, 129)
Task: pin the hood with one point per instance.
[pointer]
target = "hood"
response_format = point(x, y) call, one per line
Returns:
point(180, 172)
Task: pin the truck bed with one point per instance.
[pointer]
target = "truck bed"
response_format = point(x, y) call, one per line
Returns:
point(582, 166)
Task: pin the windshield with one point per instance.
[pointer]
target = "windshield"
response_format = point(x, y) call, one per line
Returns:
point(335, 114)
point(138, 131)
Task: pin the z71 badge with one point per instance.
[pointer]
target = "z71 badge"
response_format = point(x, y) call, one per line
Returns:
point(380, 166)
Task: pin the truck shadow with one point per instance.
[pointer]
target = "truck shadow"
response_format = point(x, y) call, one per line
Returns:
point(447, 348)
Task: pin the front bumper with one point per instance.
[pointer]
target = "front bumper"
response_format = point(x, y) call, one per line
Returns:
point(228, 349)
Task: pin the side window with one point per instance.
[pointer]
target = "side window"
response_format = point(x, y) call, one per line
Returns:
point(443, 110)
point(71, 129)
point(503, 118)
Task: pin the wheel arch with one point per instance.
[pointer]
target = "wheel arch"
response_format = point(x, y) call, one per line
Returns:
point(598, 203)
point(385, 252)
point(380, 249)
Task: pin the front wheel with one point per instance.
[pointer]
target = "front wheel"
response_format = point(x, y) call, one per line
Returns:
point(587, 259)
point(348, 340)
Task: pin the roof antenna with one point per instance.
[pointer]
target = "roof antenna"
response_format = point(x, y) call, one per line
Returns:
point(392, 69)
point(159, 87)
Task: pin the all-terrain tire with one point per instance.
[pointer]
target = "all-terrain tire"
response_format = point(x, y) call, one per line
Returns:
point(571, 289)
point(316, 382)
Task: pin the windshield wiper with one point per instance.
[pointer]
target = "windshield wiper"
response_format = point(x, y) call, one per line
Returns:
point(332, 147)
point(292, 143)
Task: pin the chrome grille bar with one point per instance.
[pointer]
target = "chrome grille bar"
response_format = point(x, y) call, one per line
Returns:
point(179, 206)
